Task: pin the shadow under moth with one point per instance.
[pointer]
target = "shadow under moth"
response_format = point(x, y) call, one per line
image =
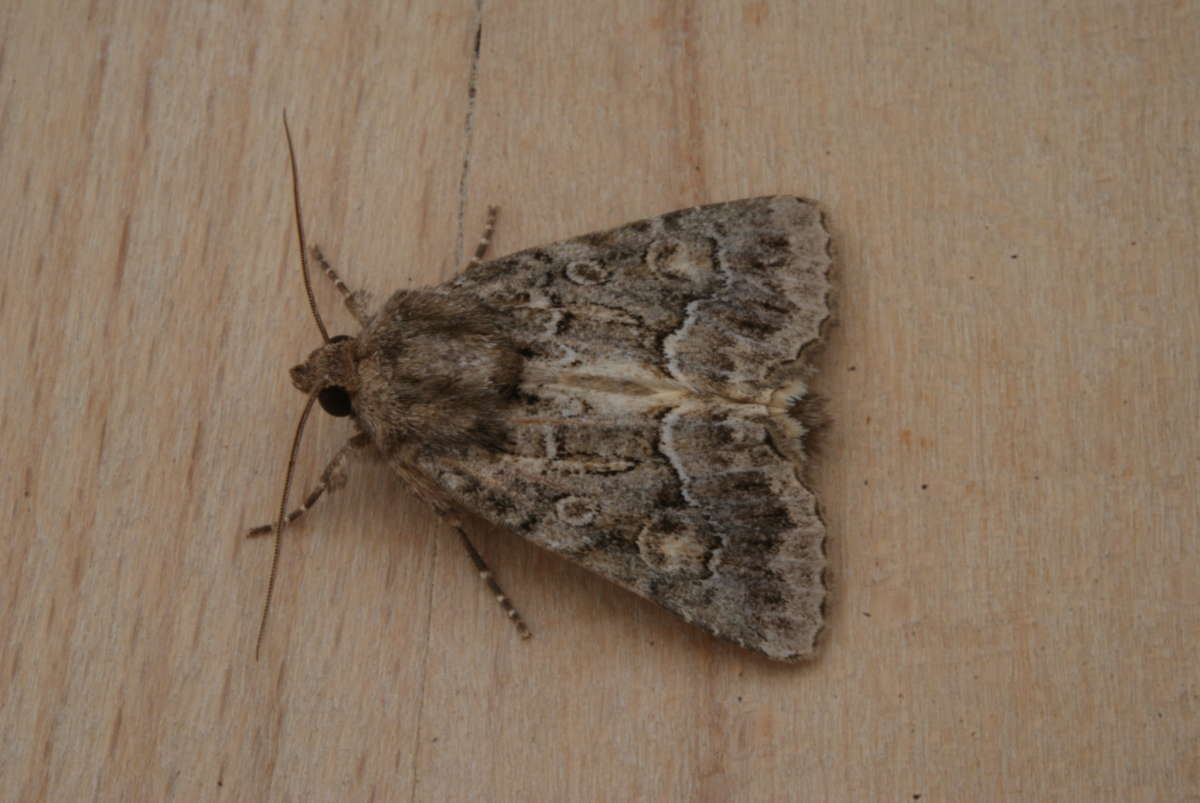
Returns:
point(635, 400)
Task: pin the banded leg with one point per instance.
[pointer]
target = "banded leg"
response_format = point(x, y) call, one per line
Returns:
point(332, 478)
point(485, 239)
point(485, 574)
point(357, 301)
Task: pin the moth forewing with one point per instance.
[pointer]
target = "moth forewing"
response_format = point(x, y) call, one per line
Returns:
point(658, 434)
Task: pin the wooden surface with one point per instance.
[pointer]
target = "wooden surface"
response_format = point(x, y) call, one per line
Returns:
point(1011, 483)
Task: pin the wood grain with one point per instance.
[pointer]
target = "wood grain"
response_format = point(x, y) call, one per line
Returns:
point(1010, 486)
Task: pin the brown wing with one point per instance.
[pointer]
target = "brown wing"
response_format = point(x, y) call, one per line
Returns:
point(656, 440)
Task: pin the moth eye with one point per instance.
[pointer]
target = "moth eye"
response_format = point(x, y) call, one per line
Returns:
point(339, 338)
point(335, 401)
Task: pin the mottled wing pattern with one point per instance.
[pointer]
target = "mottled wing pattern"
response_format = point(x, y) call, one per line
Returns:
point(658, 438)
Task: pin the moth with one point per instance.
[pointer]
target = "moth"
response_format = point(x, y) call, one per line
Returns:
point(636, 400)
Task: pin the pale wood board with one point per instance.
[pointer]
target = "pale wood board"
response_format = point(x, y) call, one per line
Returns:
point(1011, 482)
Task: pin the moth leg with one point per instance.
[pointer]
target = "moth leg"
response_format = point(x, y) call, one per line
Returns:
point(485, 239)
point(332, 478)
point(357, 301)
point(485, 573)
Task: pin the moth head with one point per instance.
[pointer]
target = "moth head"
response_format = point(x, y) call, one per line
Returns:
point(330, 372)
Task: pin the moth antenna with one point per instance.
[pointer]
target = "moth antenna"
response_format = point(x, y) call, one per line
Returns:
point(312, 301)
point(281, 520)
